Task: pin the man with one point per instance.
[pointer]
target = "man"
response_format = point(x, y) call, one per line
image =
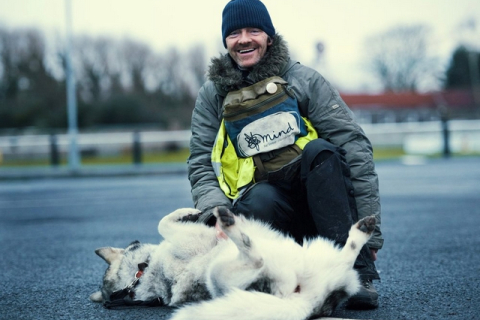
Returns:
point(321, 191)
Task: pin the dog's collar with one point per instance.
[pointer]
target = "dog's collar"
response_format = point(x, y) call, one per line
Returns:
point(128, 290)
point(124, 297)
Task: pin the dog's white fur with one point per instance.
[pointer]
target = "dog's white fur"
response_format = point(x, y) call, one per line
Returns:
point(257, 273)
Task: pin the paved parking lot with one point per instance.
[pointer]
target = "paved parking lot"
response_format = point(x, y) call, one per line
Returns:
point(49, 229)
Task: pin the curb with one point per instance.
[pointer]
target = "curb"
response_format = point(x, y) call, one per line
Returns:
point(14, 173)
point(328, 318)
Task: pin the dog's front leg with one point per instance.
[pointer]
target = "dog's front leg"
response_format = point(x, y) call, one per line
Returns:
point(229, 224)
point(233, 268)
point(169, 224)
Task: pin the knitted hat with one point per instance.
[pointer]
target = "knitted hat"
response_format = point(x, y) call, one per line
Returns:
point(239, 14)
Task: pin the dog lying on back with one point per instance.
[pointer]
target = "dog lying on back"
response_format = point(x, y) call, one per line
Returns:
point(255, 273)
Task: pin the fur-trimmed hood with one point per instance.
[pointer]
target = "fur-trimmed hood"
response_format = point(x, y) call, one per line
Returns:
point(224, 72)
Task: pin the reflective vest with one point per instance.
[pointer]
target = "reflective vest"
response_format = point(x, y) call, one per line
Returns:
point(233, 172)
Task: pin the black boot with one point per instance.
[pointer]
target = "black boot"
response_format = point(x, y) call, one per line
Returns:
point(330, 196)
point(366, 298)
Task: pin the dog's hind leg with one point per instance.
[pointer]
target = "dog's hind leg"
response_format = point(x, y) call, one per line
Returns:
point(358, 236)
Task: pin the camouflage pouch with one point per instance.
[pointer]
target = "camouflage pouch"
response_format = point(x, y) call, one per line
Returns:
point(263, 121)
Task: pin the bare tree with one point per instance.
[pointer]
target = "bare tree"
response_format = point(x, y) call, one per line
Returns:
point(119, 82)
point(101, 67)
point(400, 59)
point(197, 67)
point(27, 88)
point(137, 62)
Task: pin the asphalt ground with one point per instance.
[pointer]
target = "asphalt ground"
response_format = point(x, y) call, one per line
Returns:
point(50, 227)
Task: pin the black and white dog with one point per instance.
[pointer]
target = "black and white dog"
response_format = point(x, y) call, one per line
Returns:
point(254, 272)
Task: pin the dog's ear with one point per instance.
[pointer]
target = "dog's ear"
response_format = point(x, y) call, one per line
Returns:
point(110, 254)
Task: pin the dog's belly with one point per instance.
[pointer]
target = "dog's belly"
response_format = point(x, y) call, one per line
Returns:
point(196, 291)
point(262, 284)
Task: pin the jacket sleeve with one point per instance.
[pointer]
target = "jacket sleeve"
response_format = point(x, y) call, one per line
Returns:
point(206, 118)
point(334, 122)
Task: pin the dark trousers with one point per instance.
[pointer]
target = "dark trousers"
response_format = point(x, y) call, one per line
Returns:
point(314, 197)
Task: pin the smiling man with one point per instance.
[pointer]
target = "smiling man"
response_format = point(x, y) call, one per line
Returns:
point(247, 46)
point(315, 174)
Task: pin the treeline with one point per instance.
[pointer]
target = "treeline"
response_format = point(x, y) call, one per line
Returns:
point(463, 70)
point(119, 82)
point(402, 59)
point(126, 83)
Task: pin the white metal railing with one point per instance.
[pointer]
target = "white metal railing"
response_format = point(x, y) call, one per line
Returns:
point(101, 142)
point(396, 134)
point(381, 134)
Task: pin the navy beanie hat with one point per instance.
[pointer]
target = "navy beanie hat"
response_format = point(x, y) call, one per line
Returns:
point(239, 14)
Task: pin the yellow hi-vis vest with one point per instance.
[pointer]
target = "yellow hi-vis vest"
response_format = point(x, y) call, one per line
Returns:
point(233, 172)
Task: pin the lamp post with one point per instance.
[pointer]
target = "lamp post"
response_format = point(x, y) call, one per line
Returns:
point(73, 154)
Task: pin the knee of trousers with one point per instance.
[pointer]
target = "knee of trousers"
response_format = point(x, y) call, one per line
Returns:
point(263, 202)
point(317, 146)
point(313, 149)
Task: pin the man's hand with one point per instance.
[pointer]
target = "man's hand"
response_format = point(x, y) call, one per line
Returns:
point(207, 216)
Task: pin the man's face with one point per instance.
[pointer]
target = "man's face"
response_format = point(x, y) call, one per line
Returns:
point(247, 46)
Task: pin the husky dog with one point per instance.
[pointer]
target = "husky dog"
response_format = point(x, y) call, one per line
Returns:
point(254, 272)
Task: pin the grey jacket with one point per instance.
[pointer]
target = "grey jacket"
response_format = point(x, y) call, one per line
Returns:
point(318, 101)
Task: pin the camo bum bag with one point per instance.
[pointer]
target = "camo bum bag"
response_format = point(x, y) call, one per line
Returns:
point(262, 117)
point(263, 121)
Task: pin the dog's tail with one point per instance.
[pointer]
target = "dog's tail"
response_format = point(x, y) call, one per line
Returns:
point(239, 304)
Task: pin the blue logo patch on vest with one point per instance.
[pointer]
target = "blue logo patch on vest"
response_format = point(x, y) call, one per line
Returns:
point(274, 128)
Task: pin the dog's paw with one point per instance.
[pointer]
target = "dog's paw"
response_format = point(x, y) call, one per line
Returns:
point(191, 217)
point(224, 216)
point(367, 224)
point(184, 215)
point(96, 297)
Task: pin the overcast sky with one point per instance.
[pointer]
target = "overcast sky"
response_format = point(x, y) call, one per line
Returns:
point(341, 25)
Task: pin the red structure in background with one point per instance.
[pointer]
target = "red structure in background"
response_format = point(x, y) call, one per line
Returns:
point(409, 106)
point(454, 99)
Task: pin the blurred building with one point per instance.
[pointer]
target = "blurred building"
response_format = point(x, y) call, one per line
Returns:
point(413, 107)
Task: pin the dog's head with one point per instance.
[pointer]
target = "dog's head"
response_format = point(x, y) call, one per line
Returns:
point(123, 267)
